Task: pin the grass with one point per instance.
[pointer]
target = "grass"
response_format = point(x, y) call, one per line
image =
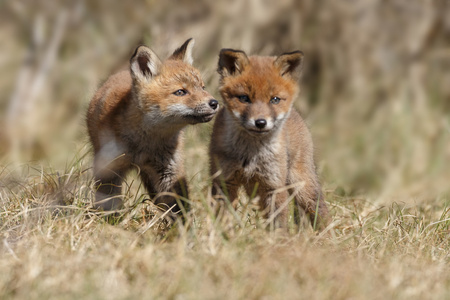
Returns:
point(55, 246)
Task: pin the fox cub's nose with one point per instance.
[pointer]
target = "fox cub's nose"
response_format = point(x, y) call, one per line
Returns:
point(213, 103)
point(260, 123)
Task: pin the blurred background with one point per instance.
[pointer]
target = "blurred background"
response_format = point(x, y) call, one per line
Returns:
point(375, 87)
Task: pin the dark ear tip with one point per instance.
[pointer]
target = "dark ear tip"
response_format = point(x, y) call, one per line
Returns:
point(223, 51)
point(138, 49)
point(294, 52)
point(229, 50)
point(187, 42)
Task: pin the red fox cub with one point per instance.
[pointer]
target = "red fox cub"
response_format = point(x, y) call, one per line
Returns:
point(259, 141)
point(136, 119)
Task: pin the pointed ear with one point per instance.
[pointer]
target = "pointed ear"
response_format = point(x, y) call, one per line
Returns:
point(144, 64)
point(184, 53)
point(232, 62)
point(290, 64)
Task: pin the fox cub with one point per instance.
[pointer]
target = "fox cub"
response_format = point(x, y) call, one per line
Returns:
point(259, 141)
point(136, 119)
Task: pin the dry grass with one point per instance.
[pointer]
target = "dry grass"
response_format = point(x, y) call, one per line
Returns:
point(375, 93)
point(54, 246)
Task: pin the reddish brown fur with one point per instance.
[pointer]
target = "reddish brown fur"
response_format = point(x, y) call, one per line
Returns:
point(280, 157)
point(136, 119)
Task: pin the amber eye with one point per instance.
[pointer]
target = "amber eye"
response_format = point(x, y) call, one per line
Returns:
point(275, 100)
point(244, 99)
point(180, 92)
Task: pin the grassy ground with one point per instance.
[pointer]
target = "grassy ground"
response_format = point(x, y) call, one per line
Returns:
point(54, 246)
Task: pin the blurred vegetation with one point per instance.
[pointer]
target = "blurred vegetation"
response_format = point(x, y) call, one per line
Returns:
point(375, 89)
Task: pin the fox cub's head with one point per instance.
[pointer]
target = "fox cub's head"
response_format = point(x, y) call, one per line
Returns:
point(258, 91)
point(172, 90)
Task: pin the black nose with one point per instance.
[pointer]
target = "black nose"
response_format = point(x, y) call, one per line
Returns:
point(213, 103)
point(260, 123)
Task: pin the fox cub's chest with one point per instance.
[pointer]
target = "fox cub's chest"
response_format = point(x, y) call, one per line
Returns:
point(263, 162)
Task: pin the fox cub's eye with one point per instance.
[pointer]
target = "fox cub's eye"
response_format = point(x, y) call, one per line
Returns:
point(203, 87)
point(244, 99)
point(180, 92)
point(275, 100)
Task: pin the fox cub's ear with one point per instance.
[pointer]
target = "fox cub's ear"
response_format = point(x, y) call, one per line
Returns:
point(184, 53)
point(232, 62)
point(144, 64)
point(290, 64)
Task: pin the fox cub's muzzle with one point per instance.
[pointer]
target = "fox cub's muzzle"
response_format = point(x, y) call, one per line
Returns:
point(205, 112)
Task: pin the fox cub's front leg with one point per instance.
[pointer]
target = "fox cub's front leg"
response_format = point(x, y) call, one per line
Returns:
point(275, 207)
point(225, 185)
point(169, 191)
point(225, 191)
point(178, 192)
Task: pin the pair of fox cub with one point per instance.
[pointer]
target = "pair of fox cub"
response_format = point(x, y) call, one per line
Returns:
point(258, 141)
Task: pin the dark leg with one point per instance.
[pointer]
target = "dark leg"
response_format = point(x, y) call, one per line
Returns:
point(109, 173)
point(310, 199)
point(177, 193)
point(225, 196)
point(148, 183)
point(108, 190)
point(168, 195)
point(275, 207)
point(225, 191)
